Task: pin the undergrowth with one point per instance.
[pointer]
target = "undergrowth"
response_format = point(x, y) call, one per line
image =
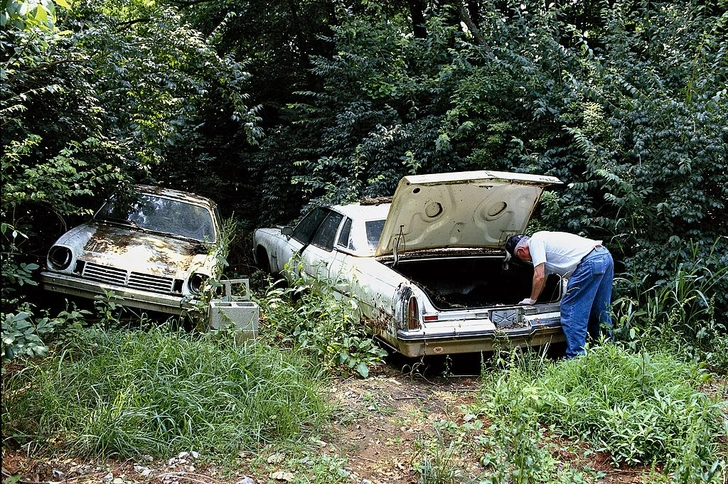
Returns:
point(642, 409)
point(158, 392)
point(309, 315)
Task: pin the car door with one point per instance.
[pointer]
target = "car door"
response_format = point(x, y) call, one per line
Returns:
point(341, 272)
point(319, 253)
point(300, 238)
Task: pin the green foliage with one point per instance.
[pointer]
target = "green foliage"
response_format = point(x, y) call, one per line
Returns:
point(159, 392)
point(30, 14)
point(641, 408)
point(436, 461)
point(25, 335)
point(679, 313)
point(21, 336)
point(309, 316)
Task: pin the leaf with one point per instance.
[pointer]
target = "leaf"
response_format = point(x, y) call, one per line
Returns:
point(362, 369)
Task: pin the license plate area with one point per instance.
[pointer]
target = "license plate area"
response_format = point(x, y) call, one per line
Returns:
point(507, 318)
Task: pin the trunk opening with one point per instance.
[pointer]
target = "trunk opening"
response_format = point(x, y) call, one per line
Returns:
point(474, 281)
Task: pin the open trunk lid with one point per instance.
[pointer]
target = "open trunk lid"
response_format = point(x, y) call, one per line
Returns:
point(471, 209)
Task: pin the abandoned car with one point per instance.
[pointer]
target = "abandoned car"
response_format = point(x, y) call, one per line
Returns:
point(155, 251)
point(426, 269)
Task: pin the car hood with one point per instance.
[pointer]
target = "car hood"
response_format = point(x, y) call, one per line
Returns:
point(134, 250)
point(474, 209)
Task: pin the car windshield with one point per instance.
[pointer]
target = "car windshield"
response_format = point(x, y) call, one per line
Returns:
point(164, 215)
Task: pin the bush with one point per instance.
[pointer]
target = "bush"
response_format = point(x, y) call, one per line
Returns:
point(682, 313)
point(309, 315)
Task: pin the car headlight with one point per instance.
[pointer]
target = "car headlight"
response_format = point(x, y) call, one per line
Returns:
point(59, 257)
point(196, 282)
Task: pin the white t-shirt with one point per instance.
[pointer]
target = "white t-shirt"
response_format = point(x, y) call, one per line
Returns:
point(560, 252)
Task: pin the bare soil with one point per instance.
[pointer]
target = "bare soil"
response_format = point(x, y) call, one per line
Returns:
point(381, 431)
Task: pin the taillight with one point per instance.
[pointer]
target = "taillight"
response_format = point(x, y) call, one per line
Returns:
point(413, 314)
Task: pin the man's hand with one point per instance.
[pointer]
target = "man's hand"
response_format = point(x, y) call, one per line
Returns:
point(528, 300)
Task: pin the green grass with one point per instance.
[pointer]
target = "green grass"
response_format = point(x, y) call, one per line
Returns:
point(157, 392)
point(640, 408)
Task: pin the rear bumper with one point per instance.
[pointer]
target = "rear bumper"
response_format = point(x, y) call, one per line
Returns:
point(533, 334)
point(75, 286)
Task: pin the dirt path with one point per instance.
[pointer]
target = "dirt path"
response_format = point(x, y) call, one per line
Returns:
point(388, 421)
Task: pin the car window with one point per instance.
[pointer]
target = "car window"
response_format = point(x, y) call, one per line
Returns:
point(326, 232)
point(307, 226)
point(344, 239)
point(163, 215)
point(374, 232)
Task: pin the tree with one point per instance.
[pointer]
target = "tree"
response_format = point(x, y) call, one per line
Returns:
point(94, 107)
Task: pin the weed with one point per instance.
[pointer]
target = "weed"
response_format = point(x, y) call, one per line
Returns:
point(309, 315)
point(131, 393)
point(436, 460)
point(641, 408)
point(679, 313)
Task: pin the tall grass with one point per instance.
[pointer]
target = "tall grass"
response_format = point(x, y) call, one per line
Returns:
point(159, 392)
point(640, 408)
point(684, 313)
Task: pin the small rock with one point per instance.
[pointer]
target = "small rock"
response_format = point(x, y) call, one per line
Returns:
point(276, 458)
point(282, 476)
point(144, 471)
point(246, 480)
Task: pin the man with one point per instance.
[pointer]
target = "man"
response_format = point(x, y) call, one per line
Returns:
point(590, 270)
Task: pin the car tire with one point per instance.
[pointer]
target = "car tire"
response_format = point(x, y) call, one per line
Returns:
point(262, 261)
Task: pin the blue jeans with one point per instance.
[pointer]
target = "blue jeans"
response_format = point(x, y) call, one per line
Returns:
point(585, 308)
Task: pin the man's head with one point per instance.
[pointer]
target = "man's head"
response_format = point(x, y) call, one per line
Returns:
point(516, 244)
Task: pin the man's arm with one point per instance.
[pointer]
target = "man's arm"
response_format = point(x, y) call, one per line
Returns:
point(539, 281)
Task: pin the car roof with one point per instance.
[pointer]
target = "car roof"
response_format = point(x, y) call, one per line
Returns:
point(359, 211)
point(180, 195)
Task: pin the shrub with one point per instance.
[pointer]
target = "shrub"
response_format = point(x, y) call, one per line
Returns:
point(311, 316)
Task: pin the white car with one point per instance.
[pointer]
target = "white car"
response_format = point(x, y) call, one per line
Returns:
point(427, 269)
point(155, 251)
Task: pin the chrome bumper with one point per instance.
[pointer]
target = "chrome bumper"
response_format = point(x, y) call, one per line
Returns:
point(75, 286)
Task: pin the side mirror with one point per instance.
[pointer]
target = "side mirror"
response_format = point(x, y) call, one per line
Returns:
point(287, 231)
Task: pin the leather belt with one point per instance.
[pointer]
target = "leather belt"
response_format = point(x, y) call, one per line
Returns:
point(595, 248)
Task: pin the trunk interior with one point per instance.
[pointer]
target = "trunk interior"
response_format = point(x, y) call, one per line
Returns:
point(474, 281)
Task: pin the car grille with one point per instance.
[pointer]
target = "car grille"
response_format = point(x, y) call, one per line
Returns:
point(121, 277)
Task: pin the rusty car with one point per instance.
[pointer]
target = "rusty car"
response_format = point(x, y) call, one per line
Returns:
point(426, 267)
point(154, 251)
